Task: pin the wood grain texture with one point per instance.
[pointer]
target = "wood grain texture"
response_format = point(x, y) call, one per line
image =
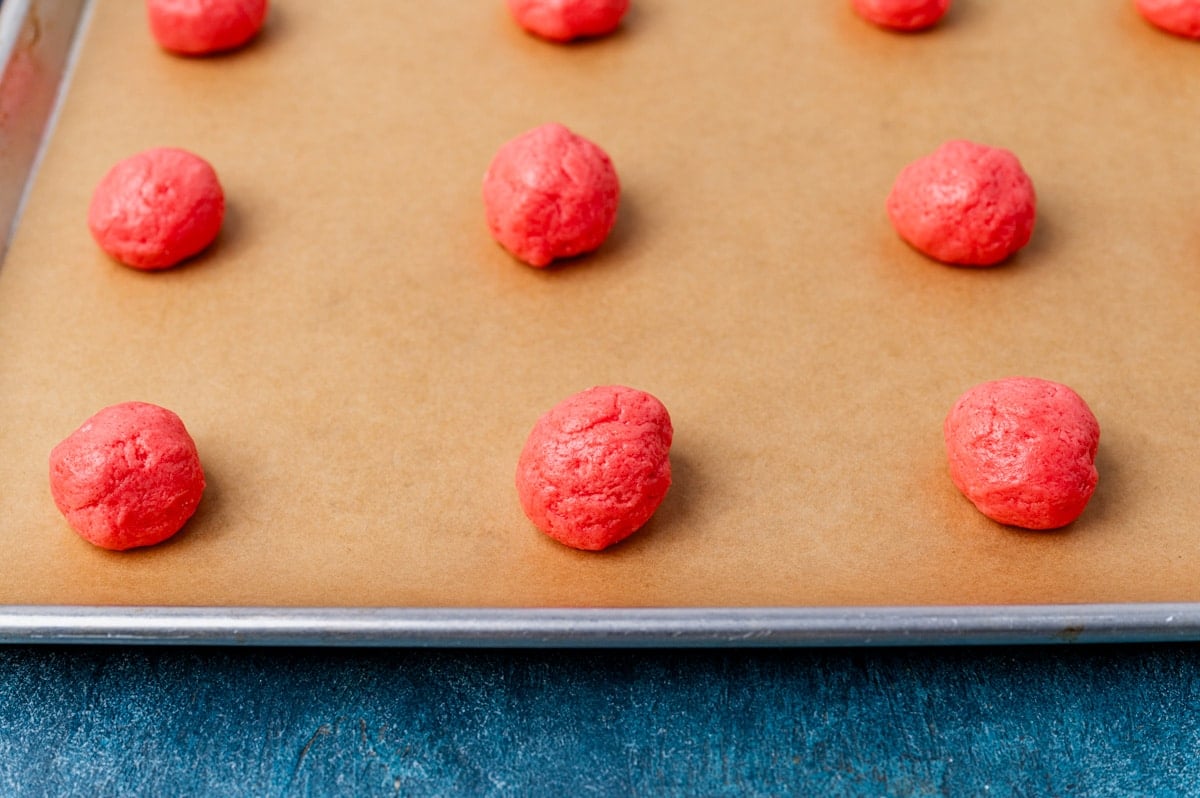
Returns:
point(998, 722)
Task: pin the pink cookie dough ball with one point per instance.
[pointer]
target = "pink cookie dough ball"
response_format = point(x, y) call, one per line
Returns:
point(157, 208)
point(129, 476)
point(595, 467)
point(564, 20)
point(902, 14)
point(1181, 17)
point(967, 204)
point(200, 27)
point(550, 194)
point(1023, 450)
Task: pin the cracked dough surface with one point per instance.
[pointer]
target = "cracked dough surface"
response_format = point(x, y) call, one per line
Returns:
point(157, 208)
point(902, 14)
point(1023, 450)
point(1181, 17)
point(550, 193)
point(200, 27)
point(596, 467)
point(129, 476)
point(965, 203)
point(564, 20)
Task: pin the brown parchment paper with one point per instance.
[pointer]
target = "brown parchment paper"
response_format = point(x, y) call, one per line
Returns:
point(359, 362)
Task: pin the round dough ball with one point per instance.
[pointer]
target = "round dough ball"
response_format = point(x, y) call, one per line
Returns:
point(564, 20)
point(549, 194)
point(1181, 17)
point(966, 203)
point(200, 27)
point(1023, 450)
point(902, 14)
point(596, 467)
point(129, 476)
point(157, 208)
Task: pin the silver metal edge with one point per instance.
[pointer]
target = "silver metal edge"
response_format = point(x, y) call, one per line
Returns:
point(12, 17)
point(703, 627)
point(53, 29)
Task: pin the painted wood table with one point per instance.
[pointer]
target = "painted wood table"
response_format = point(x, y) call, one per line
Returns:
point(1025, 721)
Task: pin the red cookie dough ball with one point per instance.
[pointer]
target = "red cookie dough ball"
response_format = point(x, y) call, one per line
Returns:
point(157, 208)
point(199, 27)
point(550, 194)
point(564, 20)
point(966, 203)
point(1023, 451)
point(595, 467)
point(902, 14)
point(1181, 17)
point(130, 476)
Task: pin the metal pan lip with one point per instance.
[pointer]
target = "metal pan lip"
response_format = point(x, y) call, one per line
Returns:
point(634, 627)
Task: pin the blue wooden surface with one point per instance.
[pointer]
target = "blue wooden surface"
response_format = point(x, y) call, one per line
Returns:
point(230, 722)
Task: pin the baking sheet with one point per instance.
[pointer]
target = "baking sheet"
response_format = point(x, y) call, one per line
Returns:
point(359, 363)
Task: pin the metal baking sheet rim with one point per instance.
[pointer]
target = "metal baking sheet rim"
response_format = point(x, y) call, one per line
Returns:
point(713, 627)
point(22, 24)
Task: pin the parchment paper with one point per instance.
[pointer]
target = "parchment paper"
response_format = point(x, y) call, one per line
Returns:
point(359, 363)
